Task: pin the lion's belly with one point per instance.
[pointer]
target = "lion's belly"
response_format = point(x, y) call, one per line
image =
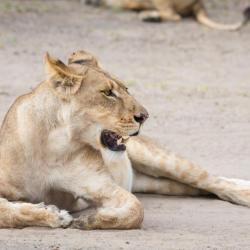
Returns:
point(181, 6)
point(184, 6)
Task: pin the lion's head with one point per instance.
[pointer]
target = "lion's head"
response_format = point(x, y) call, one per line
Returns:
point(96, 106)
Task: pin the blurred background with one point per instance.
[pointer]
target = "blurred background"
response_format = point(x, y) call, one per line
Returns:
point(194, 81)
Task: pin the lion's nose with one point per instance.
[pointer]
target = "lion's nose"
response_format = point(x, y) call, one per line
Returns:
point(141, 118)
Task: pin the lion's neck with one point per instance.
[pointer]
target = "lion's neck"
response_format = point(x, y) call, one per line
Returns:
point(119, 167)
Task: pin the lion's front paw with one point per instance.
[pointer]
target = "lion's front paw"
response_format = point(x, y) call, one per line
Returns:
point(61, 218)
point(150, 16)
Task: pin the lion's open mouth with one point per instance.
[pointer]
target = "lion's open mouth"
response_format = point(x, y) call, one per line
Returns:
point(113, 141)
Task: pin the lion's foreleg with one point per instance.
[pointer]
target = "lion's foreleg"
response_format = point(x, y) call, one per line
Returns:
point(19, 215)
point(116, 208)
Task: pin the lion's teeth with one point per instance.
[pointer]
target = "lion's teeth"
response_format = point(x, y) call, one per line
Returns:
point(119, 141)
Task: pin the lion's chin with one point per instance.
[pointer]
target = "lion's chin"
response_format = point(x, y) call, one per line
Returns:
point(113, 141)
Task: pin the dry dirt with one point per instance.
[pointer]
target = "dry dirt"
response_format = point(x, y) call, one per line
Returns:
point(195, 83)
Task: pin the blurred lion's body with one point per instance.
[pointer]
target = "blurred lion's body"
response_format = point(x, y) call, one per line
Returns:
point(171, 10)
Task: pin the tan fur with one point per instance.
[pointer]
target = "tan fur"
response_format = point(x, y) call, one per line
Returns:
point(171, 10)
point(50, 151)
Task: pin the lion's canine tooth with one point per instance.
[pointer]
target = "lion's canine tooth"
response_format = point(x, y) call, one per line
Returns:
point(119, 141)
point(125, 139)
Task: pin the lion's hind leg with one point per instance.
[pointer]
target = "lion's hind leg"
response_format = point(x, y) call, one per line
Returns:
point(153, 160)
point(19, 215)
point(149, 184)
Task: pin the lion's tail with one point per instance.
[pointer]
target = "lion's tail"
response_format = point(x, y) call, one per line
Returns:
point(203, 18)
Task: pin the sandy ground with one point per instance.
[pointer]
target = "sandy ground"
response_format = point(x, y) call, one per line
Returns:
point(195, 83)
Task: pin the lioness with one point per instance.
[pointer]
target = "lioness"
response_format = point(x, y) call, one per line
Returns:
point(73, 142)
point(171, 10)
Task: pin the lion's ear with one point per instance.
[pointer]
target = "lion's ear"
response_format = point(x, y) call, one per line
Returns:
point(82, 57)
point(61, 77)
